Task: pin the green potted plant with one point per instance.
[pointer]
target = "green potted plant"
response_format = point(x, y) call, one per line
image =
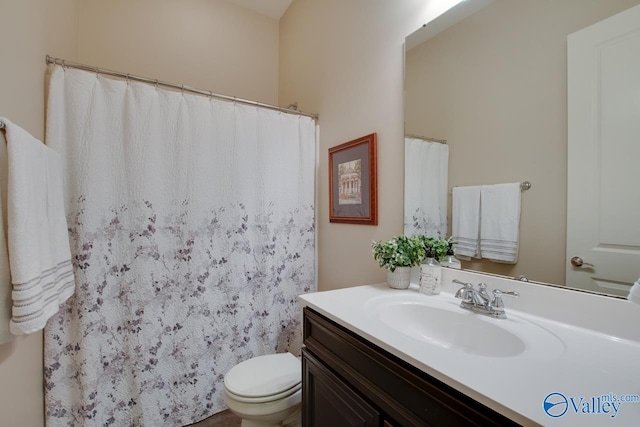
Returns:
point(398, 255)
point(438, 246)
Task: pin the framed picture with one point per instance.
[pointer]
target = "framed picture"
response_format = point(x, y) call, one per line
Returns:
point(353, 187)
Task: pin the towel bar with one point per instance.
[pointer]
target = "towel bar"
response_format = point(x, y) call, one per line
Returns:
point(524, 185)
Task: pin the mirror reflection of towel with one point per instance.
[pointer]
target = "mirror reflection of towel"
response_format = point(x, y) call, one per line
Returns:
point(500, 222)
point(465, 221)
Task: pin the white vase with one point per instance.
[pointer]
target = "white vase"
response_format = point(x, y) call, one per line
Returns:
point(400, 278)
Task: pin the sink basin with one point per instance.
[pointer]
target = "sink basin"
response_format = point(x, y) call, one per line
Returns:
point(440, 322)
point(451, 330)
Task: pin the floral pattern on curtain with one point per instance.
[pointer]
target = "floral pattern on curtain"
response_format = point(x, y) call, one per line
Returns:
point(425, 188)
point(192, 232)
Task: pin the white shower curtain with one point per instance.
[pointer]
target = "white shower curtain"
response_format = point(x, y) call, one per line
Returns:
point(426, 169)
point(192, 232)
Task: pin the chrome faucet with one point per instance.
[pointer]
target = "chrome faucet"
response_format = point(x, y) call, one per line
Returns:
point(479, 300)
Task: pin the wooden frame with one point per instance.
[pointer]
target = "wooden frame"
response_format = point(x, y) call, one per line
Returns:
point(353, 185)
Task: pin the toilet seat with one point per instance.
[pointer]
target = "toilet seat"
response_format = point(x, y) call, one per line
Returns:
point(264, 378)
point(264, 399)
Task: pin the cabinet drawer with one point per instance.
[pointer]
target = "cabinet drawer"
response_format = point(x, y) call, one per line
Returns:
point(402, 392)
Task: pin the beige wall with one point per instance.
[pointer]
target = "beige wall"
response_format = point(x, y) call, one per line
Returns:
point(206, 44)
point(29, 29)
point(495, 87)
point(344, 60)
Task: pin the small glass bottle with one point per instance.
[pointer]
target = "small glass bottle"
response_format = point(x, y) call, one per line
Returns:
point(430, 275)
point(450, 260)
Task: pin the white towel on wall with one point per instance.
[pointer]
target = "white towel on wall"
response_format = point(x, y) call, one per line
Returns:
point(500, 222)
point(5, 276)
point(465, 221)
point(38, 240)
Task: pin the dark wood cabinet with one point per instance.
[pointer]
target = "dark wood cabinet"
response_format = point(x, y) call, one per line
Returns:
point(334, 403)
point(348, 381)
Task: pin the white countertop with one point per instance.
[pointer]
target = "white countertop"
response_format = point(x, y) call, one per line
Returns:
point(582, 365)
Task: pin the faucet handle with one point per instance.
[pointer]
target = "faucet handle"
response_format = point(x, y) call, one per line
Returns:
point(514, 294)
point(464, 292)
point(466, 285)
point(497, 303)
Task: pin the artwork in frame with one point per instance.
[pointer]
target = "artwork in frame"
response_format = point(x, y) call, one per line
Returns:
point(353, 189)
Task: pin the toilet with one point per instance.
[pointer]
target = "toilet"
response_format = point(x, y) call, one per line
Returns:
point(265, 391)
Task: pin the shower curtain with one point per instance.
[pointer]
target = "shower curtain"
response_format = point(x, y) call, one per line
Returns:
point(192, 231)
point(425, 187)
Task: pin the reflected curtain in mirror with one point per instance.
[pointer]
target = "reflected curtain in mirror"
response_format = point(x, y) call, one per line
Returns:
point(426, 183)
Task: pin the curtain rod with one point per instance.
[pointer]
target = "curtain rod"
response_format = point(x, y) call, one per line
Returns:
point(426, 138)
point(183, 88)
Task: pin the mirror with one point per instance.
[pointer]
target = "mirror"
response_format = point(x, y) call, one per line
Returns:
point(490, 78)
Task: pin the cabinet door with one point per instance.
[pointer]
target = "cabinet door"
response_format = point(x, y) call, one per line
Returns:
point(328, 401)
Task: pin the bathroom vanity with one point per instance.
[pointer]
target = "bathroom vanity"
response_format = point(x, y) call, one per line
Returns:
point(350, 381)
point(375, 356)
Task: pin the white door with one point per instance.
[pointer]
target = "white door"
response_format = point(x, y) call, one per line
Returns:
point(603, 188)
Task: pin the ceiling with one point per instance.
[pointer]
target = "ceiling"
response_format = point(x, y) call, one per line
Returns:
point(272, 8)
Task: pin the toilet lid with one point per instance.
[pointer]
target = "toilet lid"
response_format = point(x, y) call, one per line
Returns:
point(264, 375)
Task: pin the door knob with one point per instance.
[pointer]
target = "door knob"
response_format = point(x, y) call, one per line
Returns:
point(576, 261)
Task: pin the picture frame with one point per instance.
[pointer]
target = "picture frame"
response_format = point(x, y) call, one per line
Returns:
point(353, 184)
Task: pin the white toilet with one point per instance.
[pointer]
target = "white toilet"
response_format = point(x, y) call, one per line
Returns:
point(266, 391)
